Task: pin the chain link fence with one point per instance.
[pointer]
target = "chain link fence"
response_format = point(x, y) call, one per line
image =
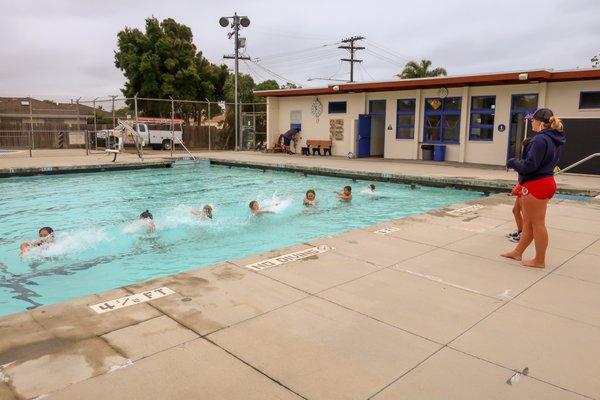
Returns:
point(162, 124)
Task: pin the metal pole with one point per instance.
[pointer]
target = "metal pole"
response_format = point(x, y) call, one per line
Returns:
point(113, 111)
point(137, 128)
point(30, 129)
point(236, 28)
point(172, 125)
point(85, 133)
point(95, 127)
point(209, 141)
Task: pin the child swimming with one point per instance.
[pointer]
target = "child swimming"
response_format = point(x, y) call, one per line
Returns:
point(310, 197)
point(205, 212)
point(372, 187)
point(46, 235)
point(346, 195)
point(146, 216)
point(256, 210)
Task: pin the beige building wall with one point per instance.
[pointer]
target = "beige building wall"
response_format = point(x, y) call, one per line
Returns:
point(318, 128)
point(561, 97)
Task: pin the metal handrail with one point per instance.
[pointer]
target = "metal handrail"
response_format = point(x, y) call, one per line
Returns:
point(578, 162)
point(186, 149)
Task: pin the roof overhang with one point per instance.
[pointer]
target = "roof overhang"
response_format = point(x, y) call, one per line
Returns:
point(504, 78)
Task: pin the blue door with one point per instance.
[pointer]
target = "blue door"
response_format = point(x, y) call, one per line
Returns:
point(364, 135)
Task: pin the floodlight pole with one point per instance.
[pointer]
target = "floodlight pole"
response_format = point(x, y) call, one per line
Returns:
point(236, 33)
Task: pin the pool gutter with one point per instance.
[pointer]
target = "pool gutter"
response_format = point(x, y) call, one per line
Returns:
point(480, 185)
point(76, 169)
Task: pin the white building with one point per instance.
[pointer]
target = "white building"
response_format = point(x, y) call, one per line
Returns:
point(478, 118)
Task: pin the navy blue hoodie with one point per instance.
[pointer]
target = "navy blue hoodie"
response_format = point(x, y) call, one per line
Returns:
point(540, 156)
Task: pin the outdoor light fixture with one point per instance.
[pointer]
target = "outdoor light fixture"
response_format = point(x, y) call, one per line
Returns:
point(336, 88)
point(236, 22)
point(523, 77)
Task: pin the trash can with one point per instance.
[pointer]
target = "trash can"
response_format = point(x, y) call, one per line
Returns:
point(427, 152)
point(439, 152)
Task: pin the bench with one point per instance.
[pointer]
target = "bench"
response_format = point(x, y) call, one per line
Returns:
point(113, 152)
point(317, 145)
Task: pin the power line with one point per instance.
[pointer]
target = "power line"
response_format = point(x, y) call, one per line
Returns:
point(367, 72)
point(296, 52)
point(253, 72)
point(390, 52)
point(352, 49)
point(273, 73)
point(385, 58)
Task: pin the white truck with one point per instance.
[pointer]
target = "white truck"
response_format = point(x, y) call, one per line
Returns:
point(159, 133)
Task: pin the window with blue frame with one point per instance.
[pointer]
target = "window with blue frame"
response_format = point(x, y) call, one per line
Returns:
point(483, 109)
point(442, 120)
point(405, 119)
point(337, 107)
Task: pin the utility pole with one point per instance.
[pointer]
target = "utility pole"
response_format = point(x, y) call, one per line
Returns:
point(349, 45)
point(237, 21)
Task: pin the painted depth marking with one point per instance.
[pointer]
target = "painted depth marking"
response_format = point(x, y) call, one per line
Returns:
point(465, 210)
point(286, 258)
point(127, 301)
point(387, 231)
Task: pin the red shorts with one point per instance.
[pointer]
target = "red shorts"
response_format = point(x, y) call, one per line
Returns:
point(541, 189)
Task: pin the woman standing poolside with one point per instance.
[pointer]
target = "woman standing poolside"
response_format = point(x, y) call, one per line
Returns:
point(536, 183)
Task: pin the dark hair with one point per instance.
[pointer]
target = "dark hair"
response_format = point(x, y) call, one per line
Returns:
point(146, 214)
point(310, 191)
point(252, 202)
point(372, 186)
point(207, 210)
point(47, 229)
point(348, 187)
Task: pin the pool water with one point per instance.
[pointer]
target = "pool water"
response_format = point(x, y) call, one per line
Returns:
point(100, 244)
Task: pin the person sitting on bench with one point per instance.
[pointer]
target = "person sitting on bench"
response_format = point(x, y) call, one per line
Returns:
point(288, 137)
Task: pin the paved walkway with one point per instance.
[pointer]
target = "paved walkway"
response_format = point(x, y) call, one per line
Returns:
point(425, 309)
point(451, 173)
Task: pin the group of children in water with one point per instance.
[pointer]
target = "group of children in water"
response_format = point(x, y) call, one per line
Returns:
point(46, 234)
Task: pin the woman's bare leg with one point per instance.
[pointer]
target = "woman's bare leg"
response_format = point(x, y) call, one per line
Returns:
point(526, 234)
point(517, 209)
point(537, 212)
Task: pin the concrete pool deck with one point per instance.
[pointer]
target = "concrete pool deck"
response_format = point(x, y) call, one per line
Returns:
point(415, 308)
point(429, 173)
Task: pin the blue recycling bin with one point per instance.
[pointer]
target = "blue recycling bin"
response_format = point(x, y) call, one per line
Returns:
point(439, 152)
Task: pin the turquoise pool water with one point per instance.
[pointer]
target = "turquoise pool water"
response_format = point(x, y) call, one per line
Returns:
point(99, 244)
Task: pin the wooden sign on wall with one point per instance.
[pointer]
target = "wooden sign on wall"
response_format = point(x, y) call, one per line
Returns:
point(336, 129)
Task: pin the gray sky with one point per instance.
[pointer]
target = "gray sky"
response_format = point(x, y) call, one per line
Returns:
point(63, 49)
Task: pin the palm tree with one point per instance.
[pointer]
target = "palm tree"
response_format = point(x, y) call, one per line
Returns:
point(412, 69)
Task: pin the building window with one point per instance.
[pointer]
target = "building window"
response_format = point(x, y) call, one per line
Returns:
point(442, 120)
point(405, 119)
point(337, 107)
point(589, 100)
point(483, 109)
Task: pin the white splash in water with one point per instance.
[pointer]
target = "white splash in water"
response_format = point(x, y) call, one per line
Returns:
point(69, 243)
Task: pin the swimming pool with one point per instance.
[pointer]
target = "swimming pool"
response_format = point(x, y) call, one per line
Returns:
point(99, 245)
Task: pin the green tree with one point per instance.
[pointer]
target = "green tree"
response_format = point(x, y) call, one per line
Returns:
point(289, 85)
point(414, 69)
point(270, 84)
point(163, 62)
point(596, 61)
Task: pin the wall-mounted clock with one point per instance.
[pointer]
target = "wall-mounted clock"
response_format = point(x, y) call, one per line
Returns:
point(316, 108)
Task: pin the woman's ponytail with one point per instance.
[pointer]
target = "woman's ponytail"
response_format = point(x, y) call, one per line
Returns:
point(556, 123)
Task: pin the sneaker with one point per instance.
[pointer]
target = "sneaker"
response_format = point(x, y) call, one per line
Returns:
point(516, 238)
point(512, 235)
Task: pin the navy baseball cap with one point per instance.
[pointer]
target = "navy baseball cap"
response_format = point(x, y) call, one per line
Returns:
point(541, 114)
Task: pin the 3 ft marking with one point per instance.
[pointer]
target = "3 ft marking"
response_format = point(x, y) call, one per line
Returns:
point(127, 301)
point(387, 231)
point(286, 258)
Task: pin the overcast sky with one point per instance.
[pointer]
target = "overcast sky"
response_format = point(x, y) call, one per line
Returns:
point(63, 49)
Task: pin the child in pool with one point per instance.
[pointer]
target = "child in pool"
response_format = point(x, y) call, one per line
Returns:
point(372, 187)
point(146, 216)
point(46, 235)
point(205, 212)
point(346, 195)
point(310, 198)
point(256, 210)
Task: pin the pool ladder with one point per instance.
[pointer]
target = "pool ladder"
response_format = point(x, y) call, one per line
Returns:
point(578, 163)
